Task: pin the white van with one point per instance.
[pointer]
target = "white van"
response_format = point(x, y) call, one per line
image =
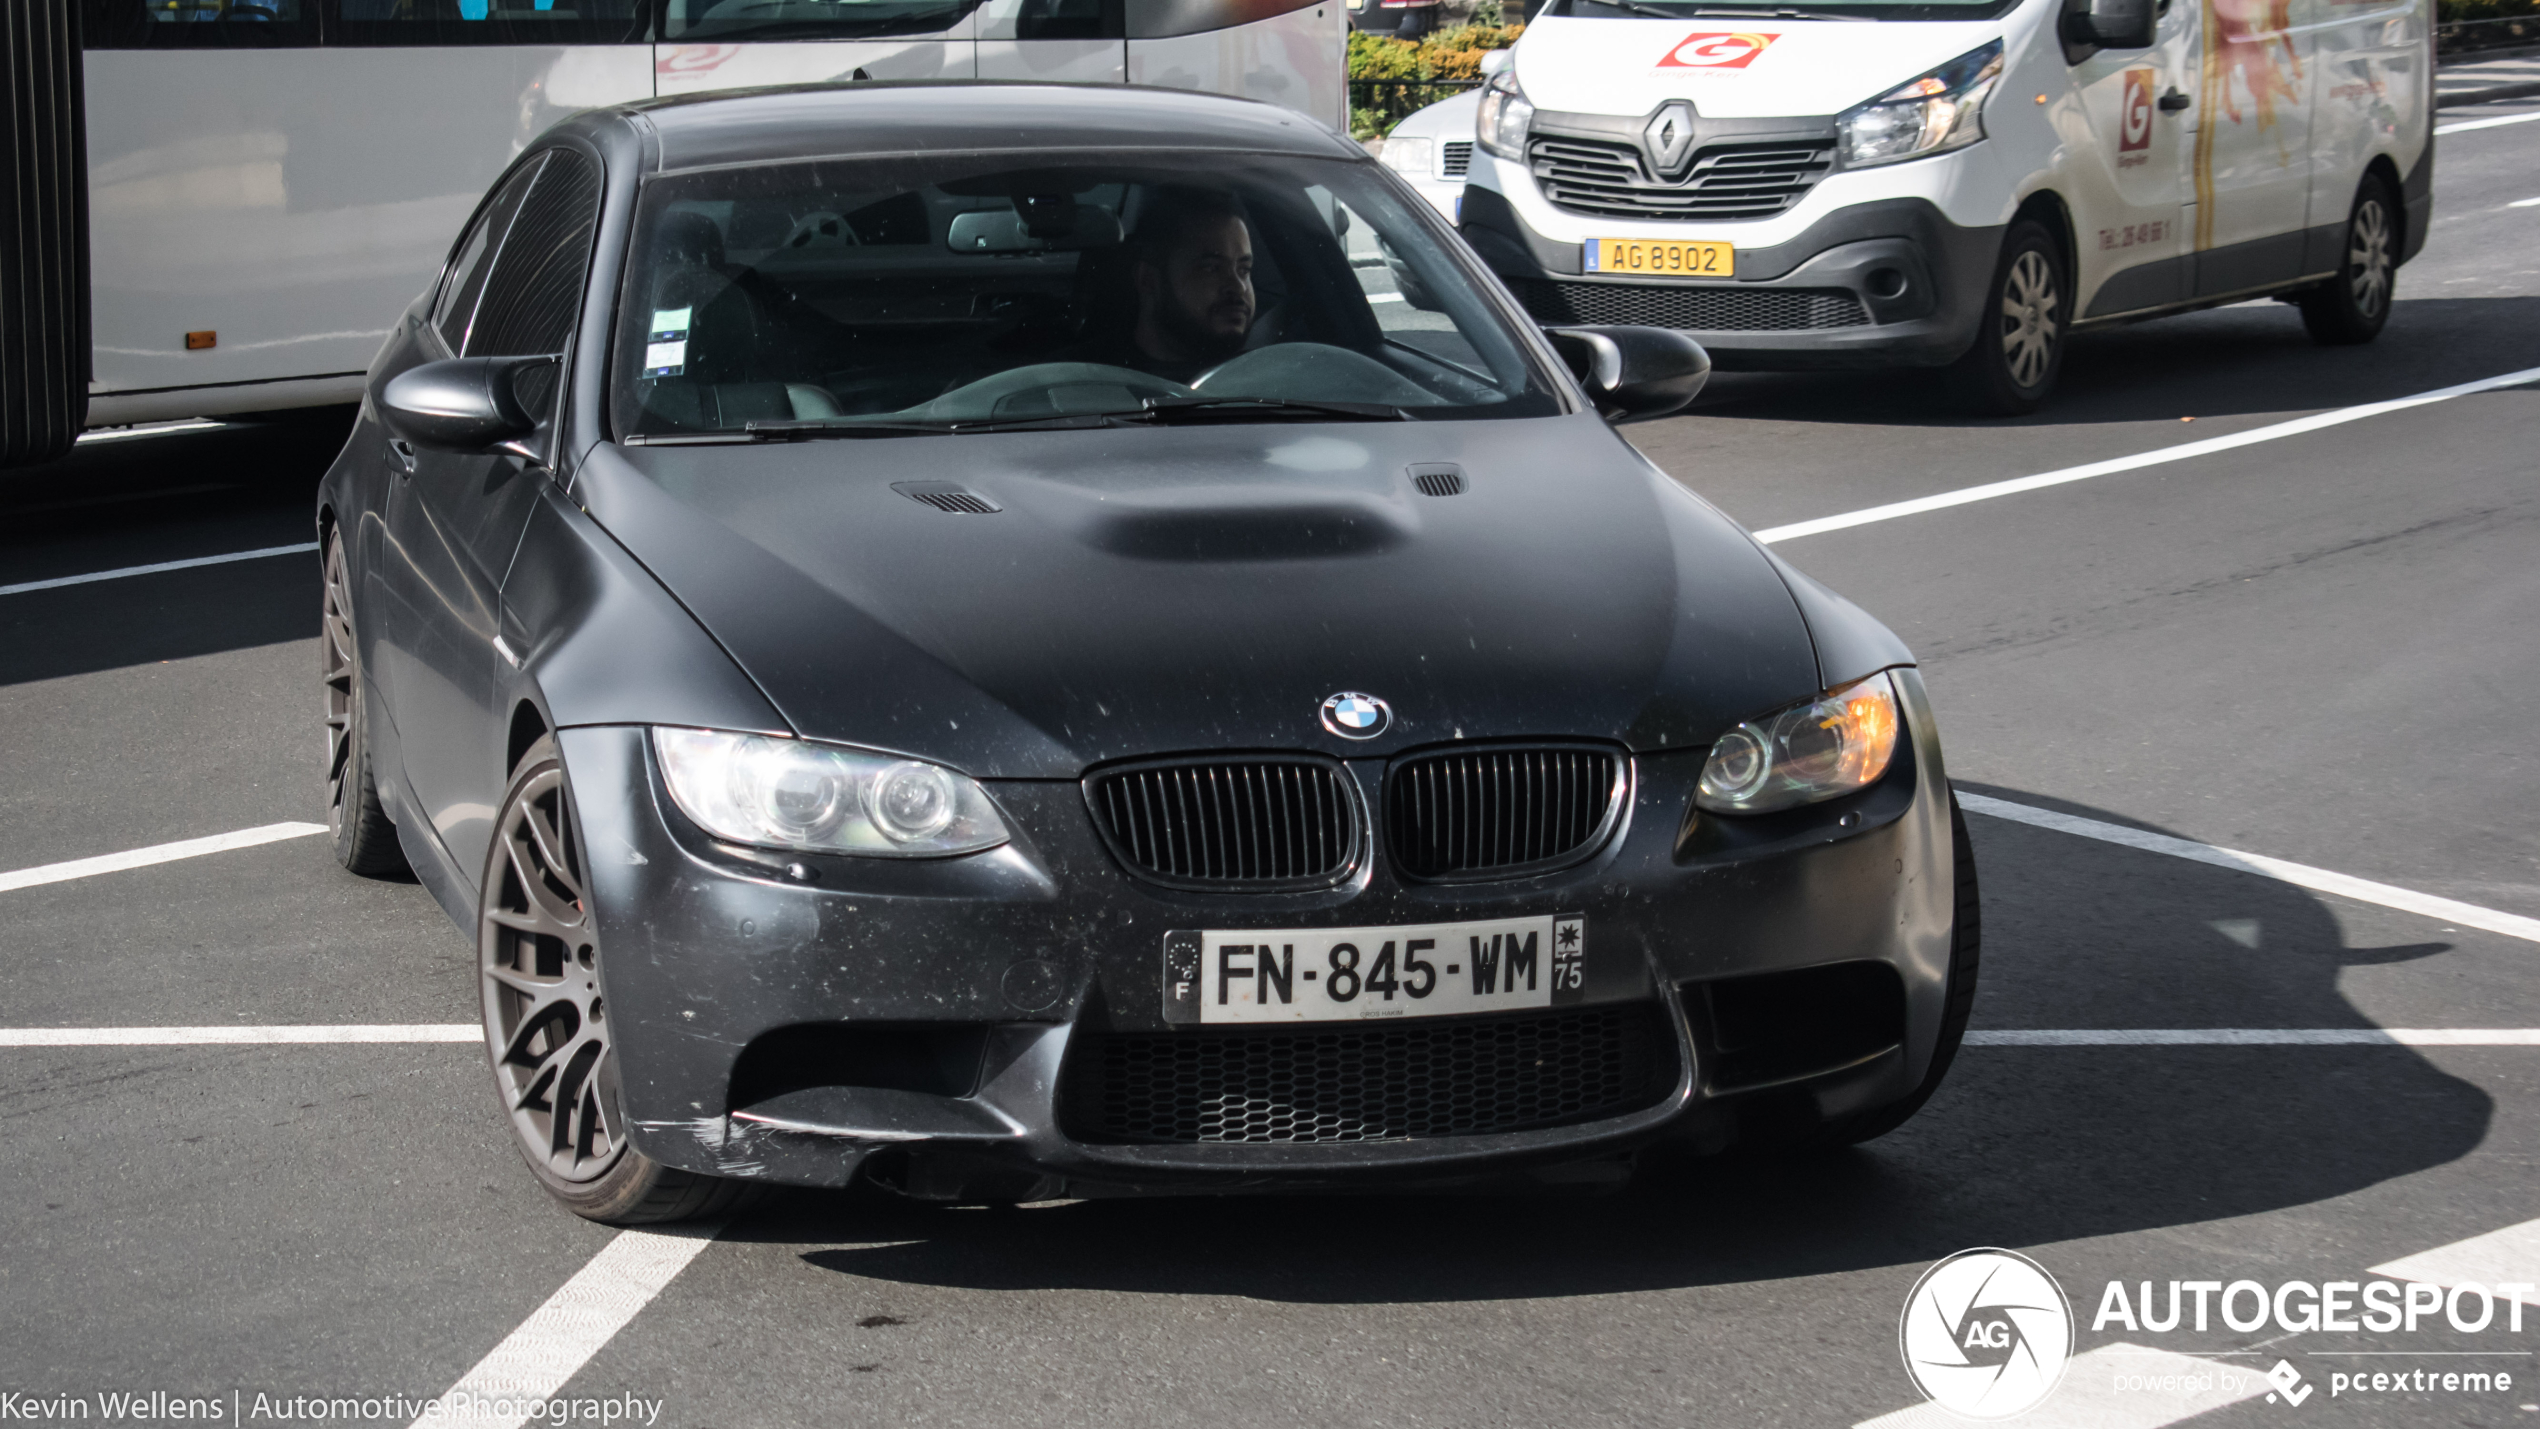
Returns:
point(1869, 183)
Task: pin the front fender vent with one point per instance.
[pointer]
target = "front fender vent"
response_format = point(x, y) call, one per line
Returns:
point(948, 496)
point(1257, 823)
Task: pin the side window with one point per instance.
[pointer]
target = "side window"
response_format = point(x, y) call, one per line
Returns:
point(456, 307)
point(534, 290)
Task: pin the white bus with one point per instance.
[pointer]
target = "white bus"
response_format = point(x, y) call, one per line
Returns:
point(270, 182)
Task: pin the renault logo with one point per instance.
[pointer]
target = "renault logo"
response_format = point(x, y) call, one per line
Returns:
point(1668, 137)
point(1355, 716)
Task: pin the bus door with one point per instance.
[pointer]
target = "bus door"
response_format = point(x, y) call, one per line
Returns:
point(454, 520)
point(1061, 41)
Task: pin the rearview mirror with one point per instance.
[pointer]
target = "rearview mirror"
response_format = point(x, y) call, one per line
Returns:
point(466, 404)
point(1634, 373)
point(2110, 24)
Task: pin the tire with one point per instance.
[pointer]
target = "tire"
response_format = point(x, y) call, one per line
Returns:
point(546, 1021)
point(2352, 307)
point(365, 840)
point(1966, 937)
point(2019, 346)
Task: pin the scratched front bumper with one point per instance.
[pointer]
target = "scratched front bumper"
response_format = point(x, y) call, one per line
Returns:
point(707, 948)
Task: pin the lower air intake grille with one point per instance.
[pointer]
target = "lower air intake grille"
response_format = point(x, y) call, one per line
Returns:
point(1457, 160)
point(1467, 813)
point(1362, 1082)
point(1262, 823)
point(1716, 308)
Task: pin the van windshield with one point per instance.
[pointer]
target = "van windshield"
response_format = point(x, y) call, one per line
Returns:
point(961, 292)
point(1826, 10)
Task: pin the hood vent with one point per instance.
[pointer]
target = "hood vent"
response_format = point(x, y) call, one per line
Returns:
point(1438, 478)
point(948, 496)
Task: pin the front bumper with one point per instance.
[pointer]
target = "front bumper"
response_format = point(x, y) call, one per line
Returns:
point(1892, 282)
point(1013, 962)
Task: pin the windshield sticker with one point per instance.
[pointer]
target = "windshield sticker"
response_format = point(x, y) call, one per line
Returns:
point(1717, 50)
point(669, 324)
point(666, 359)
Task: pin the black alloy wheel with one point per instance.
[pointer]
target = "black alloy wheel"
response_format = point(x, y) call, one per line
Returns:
point(547, 1029)
point(2352, 307)
point(365, 840)
point(2019, 346)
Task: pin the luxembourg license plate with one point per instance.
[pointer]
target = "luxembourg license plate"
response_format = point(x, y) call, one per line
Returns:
point(1655, 258)
point(1353, 974)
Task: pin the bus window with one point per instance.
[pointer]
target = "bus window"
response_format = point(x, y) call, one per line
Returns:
point(811, 19)
point(156, 24)
point(487, 22)
point(456, 307)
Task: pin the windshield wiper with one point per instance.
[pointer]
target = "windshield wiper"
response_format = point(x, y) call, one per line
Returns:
point(1169, 411)
point(1634, 7)
point(1773, 12)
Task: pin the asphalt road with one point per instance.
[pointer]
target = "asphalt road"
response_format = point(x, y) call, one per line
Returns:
point(2317, 648)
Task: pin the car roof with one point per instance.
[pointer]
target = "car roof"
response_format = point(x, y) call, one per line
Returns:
point(950, 117)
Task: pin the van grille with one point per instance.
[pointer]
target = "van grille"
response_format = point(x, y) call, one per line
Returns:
point(1456, 159)
point(1606, 179)
point(1723, 307)
point(1495, 811)
point(1265, 822)
point(1388, 1081)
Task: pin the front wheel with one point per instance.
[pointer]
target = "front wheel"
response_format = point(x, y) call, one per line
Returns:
point(365, 841)
point(2351, 307)
point(2019, 346)
point(547, 1027)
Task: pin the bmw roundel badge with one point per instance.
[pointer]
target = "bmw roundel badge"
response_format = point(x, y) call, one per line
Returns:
point(1355, 716)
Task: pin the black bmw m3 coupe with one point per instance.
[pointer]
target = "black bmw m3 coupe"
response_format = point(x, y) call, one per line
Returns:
point(1007, 641)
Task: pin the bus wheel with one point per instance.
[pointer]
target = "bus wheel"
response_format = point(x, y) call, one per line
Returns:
point(2352, 306)
point(365, 841)
point(2019, 346)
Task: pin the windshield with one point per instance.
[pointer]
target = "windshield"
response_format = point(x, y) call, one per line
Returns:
point(946, 293)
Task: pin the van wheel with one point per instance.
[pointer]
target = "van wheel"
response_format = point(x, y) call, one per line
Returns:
point(2019, 346)
point(2352, 306)
point(548, 1032)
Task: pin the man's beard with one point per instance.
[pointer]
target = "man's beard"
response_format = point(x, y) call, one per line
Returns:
point(1193, 332)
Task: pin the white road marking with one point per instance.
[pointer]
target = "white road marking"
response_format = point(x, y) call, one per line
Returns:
point(162, 429)
point(1385, 297)
point(2259, 1037)
point(238, 1036)
point(156, 853)
point(2161, 456)
point(2466, 125)
point(2090, 1396)
point(154, 568)
point(560, 1337)
point(2319, 880)
point(2524, 203)
point(2507, 1257)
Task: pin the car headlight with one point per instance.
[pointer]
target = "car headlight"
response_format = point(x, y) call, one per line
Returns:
point(1410, 154)
point(1504, 117)
point(1941, 111)
point(794, 794)
point(1834, 744)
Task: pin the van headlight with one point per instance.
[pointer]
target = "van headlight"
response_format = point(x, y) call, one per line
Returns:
point(1941, 111)
point(1504, 116)
point(823, 798)
point(1838, 742)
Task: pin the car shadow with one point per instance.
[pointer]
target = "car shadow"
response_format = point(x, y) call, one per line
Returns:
point(145, 500)
point(2248, 358)
point(2022, 1146)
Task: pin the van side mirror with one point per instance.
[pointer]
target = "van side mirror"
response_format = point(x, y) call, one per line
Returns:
point(2110, 24)
point(466, 404)
point(1493, 61)
point(1634, 373)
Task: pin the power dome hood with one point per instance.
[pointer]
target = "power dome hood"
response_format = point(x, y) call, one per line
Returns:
point(1149, 591)
point(1803, 68)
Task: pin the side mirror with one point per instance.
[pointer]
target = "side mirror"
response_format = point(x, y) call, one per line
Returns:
point(1493, 61)
point(2111, 24)
point(1634, 373)
point(466, 404)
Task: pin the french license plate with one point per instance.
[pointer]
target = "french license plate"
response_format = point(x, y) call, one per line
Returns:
point(1353, 974)
point(1688, 259)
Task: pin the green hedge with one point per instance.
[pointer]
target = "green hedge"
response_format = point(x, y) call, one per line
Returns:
point(1448, 55)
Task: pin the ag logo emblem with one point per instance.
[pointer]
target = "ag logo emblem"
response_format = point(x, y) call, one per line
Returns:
point(1985, 1334)
point(1717, 50)
point(2134, 120)
point(1355, 716)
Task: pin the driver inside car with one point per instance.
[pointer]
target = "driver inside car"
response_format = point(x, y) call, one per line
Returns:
point(1191, 267)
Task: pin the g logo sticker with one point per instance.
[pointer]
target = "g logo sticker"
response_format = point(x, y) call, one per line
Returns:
point(1986, 1334)
point(1717, 50)
point(2134, 119)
